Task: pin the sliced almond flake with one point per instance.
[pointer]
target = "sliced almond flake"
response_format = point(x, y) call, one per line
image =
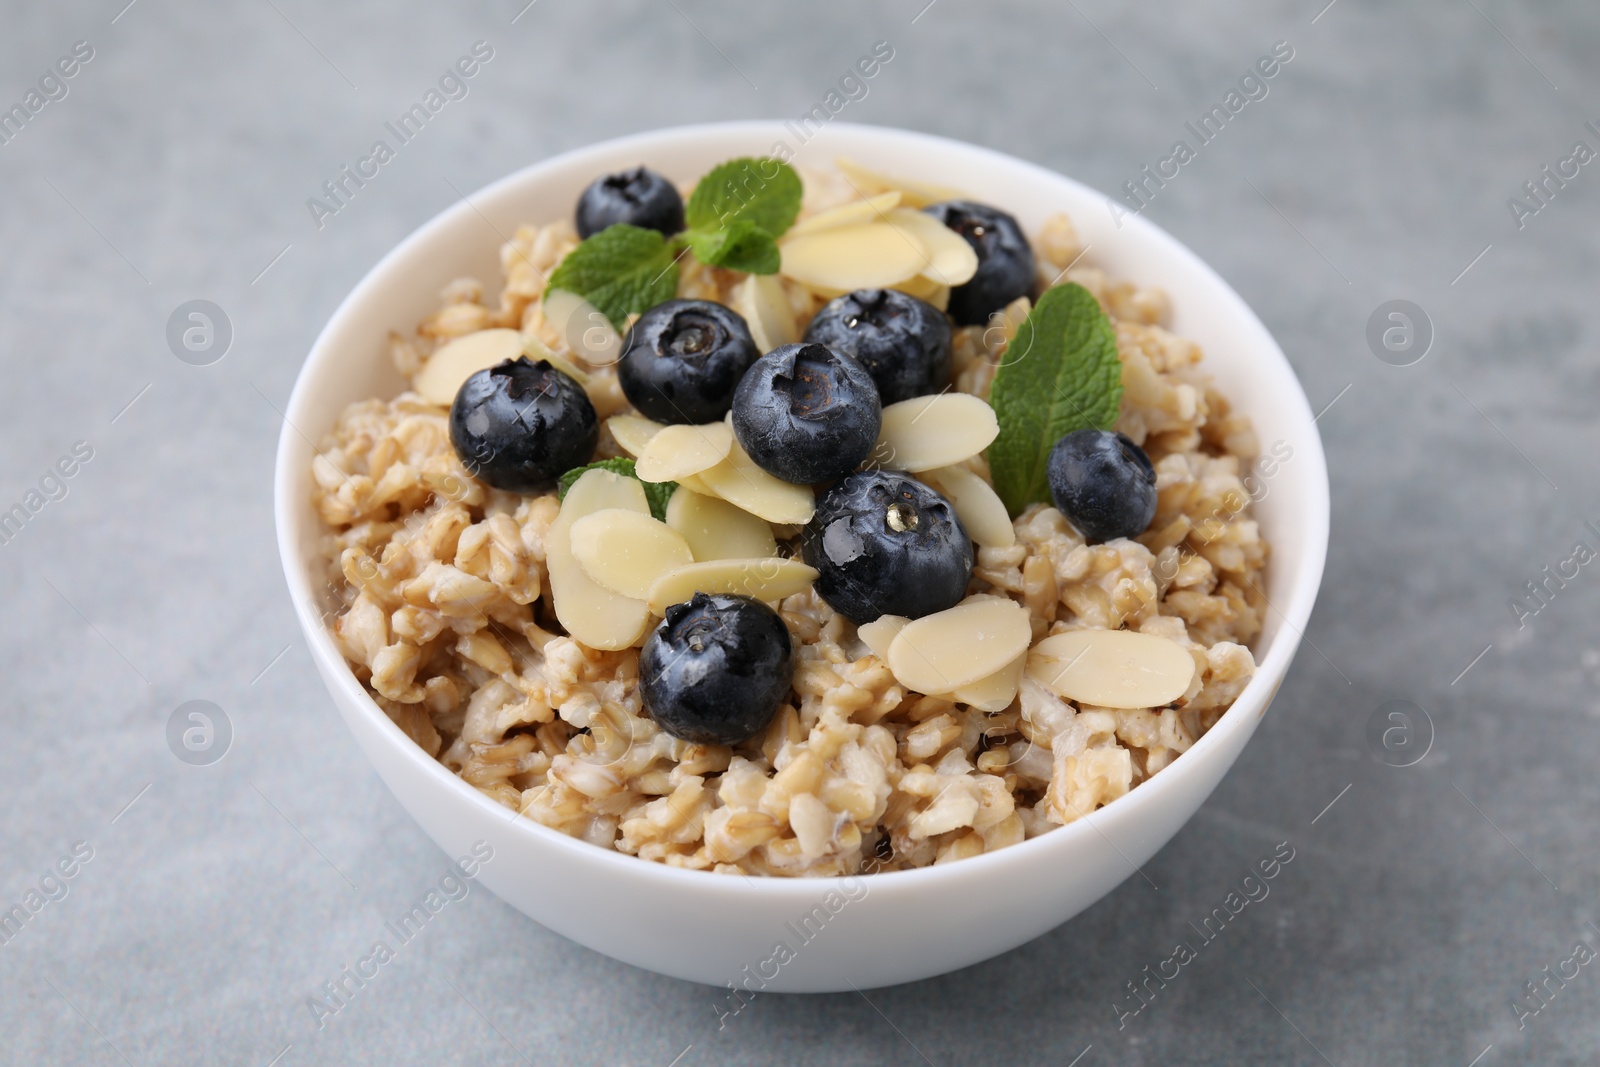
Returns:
point(872, 255)
point(626, 551)
point(950, 649)
point(764, 579)
point(632, 432)
point(1112, 668)
point(715, 529)
point(951, 261)
point(871, 209)
point(761, 299)
point(592, 613)
point(740, 482)
point(442, 376)
point(977, 505)
point(880, 633)
point(589, 334)
point(925, 288)
point(926, 432)
point(693, 483)
point(912, 193)
point(535, 350)
point(678, 451)
point(997, 691)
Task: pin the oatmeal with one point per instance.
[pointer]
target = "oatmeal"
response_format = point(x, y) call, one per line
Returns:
point(950, 675)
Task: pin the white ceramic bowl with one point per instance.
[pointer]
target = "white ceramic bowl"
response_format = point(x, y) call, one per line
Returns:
point(883, 928)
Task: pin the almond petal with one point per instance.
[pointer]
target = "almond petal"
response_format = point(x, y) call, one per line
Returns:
point(591, 613)
point(912, 193)
point(632, 432)
point(761, 299)
point(441, 377)
point(870, 255)
point(951, 261)
point(997, 691)
point(1112, 668)
point(535, 350)
point(715, 529)
point(949, 649)
point(869, 210)
point(977, 505)
point(693, 483)
point(739, 481)
point(678, 451)
point(926, 432)
point(924, 288)
point(764, 579)
point(589, 334)
point(880, 633)
point(626, 551)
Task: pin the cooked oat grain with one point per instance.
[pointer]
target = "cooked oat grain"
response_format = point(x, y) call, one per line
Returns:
point(445, 614)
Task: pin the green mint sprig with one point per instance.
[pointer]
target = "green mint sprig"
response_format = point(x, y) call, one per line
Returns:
point(763, 194)
point(620, 270)
point(734, 218)
point(1061, 373)
point(657, 493)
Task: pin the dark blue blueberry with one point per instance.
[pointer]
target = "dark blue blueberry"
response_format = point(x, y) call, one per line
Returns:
point(519, 425)
point(717, 669)
point(639, 197)
point(1005, 260)
point(683, 359)
point(903, 342)
point(885, 544)
point(1103, 483)
point(806, 413)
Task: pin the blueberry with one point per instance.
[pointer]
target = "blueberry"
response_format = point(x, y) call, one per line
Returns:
point(902, 341)
point(717, 669)
point(518, 425)
point(886, 544)
point(1103, 483)
point(638, 197)
point(683, 359)
point(1005, 260)
point(806, 413)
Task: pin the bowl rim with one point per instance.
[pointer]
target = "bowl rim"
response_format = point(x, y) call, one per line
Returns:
point(1252, 701)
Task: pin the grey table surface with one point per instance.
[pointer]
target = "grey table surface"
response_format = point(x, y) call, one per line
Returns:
point(217, 898)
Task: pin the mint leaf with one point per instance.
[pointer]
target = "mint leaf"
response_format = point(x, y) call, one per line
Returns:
point(734, 205)
point(741, 246)
point(658, 493)
point(1061, 373)
point(621, 270)
point(735, 216)
point(764, 192)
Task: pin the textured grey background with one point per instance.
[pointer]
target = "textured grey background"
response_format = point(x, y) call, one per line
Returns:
point(178, 167)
